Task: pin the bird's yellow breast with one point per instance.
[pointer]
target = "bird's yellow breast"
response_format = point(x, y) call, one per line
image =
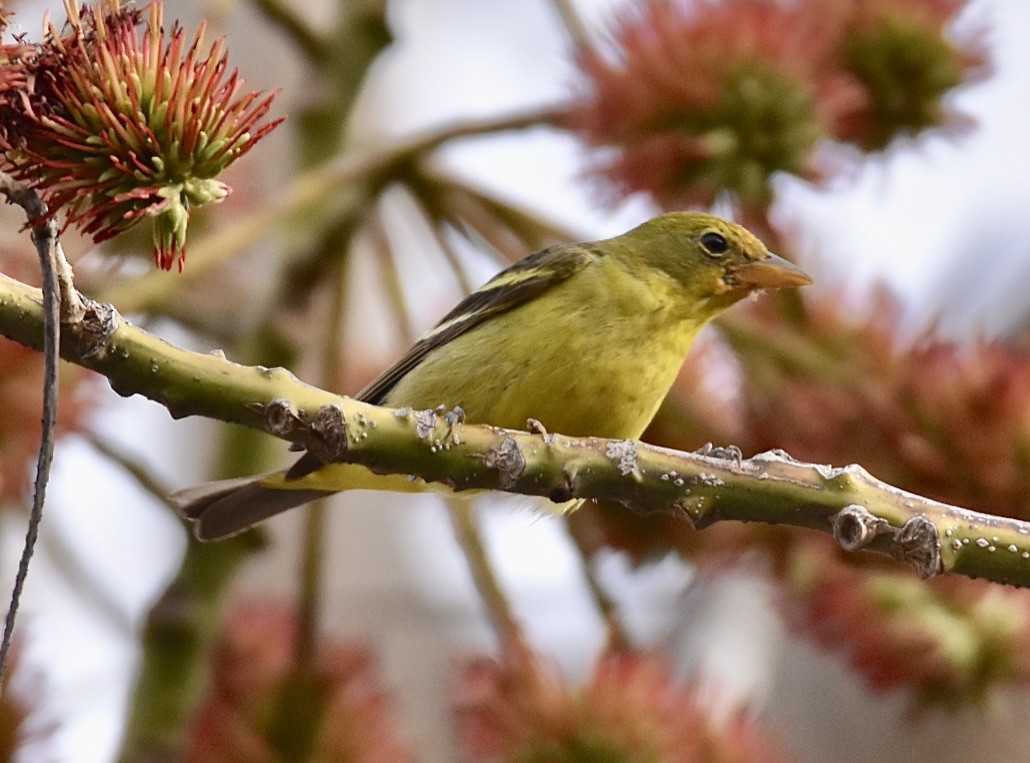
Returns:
point(593, 355)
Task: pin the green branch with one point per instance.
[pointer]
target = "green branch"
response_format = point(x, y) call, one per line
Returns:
point(287, 20)
point(488, 586)
point(858, 510)
point(576, 30)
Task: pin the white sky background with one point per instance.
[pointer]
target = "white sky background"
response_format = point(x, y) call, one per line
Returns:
point(906, 218)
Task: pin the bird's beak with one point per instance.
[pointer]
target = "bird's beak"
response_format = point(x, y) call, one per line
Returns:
point(771, 273)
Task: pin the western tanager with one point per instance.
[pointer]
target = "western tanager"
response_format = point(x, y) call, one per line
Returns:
point(586, 339)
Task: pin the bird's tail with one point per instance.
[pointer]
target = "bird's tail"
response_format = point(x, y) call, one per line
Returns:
point(227, 507)
point(224, 508)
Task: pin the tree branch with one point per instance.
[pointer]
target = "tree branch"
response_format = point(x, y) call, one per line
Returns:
point(618, 639)
point(705, 487)
point(573, 23)
point(450, 199)
point(498, 608)
point(313, 45)
point(141, 475)
point(312, 563)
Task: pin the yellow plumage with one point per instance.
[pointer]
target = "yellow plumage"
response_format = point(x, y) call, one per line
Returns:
point(547, 381)
point(586, 339)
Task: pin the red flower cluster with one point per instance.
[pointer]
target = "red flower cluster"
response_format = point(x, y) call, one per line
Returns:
point(339, 711)
point(695, 98)
point(938, 419)
point(629, 709)
point(950, 640)
point(114, 124)
point(905, 63)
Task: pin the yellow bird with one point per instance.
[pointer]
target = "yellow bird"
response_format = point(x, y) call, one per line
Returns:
point(586, 339)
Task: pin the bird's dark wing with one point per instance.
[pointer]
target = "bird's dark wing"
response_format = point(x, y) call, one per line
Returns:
point(510, 288)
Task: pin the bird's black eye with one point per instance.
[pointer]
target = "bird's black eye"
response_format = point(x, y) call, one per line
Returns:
point(714, 243)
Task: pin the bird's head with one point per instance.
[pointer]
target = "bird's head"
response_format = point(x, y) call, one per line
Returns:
point(716, 261)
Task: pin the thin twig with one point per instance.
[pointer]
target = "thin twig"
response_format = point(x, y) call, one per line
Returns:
point(460, 510)
point(533, 227)
point(390, 273)
point(314, 46)
point(463, 520)
point(309, 594)
point(573, 23)
point(450, 254)
point(430, 212)
point(474, 217)
point(541, 116)
point(312, 567)
point(67, 561)
point(140, 474)
point(505, 227)
point(754, 337)
point(618, 639)
point(44, 236)
point(71, 305)
point(145, 479)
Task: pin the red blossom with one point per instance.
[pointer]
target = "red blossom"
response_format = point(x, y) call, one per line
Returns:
point(950, 640)
point(699, 98)
point(114, 122)
point(906, 59)
point(948, 421)
point(693, 98)
point(629, 709)
point(342, 708)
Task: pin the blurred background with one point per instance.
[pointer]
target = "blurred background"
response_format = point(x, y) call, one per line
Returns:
point(880, 144)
